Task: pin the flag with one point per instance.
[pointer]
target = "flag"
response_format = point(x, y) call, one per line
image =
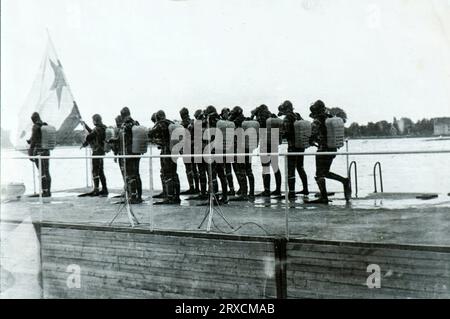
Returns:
point(51, 97)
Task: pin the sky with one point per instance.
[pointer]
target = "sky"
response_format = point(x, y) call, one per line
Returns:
point(376, 59)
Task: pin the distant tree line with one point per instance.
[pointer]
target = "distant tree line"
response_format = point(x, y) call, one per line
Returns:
point(402, 127)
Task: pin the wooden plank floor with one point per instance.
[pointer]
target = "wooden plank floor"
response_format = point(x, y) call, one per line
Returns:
point(364, 220)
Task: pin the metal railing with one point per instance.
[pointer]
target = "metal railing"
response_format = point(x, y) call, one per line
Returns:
point(225, 155)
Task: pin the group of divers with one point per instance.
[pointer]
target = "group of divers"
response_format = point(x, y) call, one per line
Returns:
point(202, 174)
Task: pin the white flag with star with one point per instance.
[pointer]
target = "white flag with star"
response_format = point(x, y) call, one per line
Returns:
point(51, 97)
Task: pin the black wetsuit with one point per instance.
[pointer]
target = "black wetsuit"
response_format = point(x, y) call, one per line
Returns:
point(267, 147)
point(190, 166)
point(96, 140)
point(319, 136)
point(37, 150)
point(116, 147)
point(199, 162)
point(133, 178)
point(243, 167)
point(323, 162)
point(294, 162)
point(228, 165)
point(217, 165)
point(160, 135)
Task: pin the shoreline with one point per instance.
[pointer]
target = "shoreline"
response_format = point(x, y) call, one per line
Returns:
point(429, 137)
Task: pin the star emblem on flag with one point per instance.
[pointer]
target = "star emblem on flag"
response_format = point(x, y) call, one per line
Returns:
point(59, 82)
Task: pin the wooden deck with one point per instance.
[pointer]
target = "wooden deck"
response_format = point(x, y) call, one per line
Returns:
point(326, 256)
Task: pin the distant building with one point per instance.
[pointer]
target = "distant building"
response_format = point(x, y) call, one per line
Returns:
point(441, 126)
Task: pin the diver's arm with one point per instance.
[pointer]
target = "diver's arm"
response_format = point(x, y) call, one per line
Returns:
point(86, 127)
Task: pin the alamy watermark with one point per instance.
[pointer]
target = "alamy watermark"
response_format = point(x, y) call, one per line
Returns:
point(374, 279)
point(73, 280)
point(229, 145)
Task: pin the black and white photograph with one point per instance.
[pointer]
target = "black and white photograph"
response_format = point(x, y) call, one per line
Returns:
point(206, 150)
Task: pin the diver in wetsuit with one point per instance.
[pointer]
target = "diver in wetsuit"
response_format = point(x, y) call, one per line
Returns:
point(200, 162)
point(262, 114)
point(96, 140)
point(160, 135)
point(320, 114)
point(36, 149)
point(116, 147)
point(295, 162)
point(163, 193)
point(133, 178)
point(115, 143)
point(243, 167)
point(225, 115)
point(211, 117)
point(191, 168)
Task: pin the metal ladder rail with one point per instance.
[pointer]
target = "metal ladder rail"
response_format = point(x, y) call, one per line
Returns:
point(353, 164)
point(377, 164)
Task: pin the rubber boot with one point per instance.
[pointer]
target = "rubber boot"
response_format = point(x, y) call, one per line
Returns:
point(49, 187)
point(95, 192)
point(177, 189)
point(323, 199)
point(291, 186)
point(104, 191)
point(139, 187)
point(203, 188)
point(345, 182)
point(173, 197)
point(45, 187)
point(277, 191)
point(170, 186)
point(163, 194)
point(266, 185)
point(196, 183)
point(224, 185)
point(230, 182)
point(133, 191)
point(347, 189)
point(231, 191)
point(304, 179)
point(251, 184)
point(190, 178)
point(241, 195)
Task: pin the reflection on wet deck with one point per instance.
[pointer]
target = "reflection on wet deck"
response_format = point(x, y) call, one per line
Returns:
point(381, 217)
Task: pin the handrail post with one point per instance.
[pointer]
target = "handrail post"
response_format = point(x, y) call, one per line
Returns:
point(150, 174)
point(286, 194)
point(34, 178)
point(91, 179)
point(86, 164)
point(353, 164)
point(347, 158)
point(40, 180)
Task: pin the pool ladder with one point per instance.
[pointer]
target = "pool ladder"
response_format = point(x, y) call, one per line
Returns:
point(377, 164)
point(354, 165)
